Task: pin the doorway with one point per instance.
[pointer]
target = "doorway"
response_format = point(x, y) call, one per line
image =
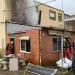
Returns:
point(12, 39)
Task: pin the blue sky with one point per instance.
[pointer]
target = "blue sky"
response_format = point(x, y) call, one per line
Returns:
point(68, 5)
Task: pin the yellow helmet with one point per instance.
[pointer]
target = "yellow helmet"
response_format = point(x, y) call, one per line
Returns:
point(64, 40)
point(12, 42)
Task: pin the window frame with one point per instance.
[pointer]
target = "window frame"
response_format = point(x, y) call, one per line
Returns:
point(54, 14)
point(24, 51)
point(57, 43)
point(58, 17)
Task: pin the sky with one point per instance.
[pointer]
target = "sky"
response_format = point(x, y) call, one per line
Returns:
point(68, 6)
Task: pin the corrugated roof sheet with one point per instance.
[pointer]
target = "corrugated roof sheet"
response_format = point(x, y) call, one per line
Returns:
point(69, 19)
point(15, 28)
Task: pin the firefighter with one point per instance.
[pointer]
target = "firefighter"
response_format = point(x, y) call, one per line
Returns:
point(68, 53)
point(10, 48)
point(71, 51)
point(7, 48)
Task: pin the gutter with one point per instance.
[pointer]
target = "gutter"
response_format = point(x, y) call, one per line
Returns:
point(59, 29)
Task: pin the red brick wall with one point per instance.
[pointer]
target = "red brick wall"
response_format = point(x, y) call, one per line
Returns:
point(47, 49)
point(33, 56)
point(72, 37)
point(7, 38)
point(48, 55)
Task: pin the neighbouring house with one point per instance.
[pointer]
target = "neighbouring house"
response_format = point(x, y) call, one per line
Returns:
point(3, 17)
point(67, 16)
point(69, 22)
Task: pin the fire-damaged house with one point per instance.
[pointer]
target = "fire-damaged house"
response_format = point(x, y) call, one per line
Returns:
point(38, 45)
point(39, 41)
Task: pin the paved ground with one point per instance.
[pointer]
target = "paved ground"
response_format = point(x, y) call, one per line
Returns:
point(20, 72)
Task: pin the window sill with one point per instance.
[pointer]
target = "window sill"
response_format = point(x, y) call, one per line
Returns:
point(56, 51)
point(25, 52)
point(53, 19)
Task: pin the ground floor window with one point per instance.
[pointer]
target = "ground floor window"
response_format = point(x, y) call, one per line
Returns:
point(24, 45)
point(57, 43)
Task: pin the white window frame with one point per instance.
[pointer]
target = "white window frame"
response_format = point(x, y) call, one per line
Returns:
point(59, 14)
point(25, 45)
point(53, 15)
point(57, 44)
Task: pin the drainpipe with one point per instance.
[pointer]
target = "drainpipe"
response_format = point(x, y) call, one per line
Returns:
point(39, 22)
point(2, 47)
point(40, 45)
point(62, 43)
point(62, 51)
point(2, 37)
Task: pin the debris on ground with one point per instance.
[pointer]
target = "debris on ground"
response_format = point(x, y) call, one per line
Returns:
point(35, 69)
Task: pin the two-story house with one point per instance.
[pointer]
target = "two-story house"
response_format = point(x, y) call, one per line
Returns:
point(42, 43)
point(50, 17)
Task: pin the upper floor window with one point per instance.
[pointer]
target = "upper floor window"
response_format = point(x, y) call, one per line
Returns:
point(52, 15)
point(57, 43)
point(59, 17)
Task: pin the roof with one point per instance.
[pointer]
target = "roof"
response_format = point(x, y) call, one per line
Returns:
point(12, 28)
point(73, 15)
point(67, 14)
point(16, 28)
point(48, 6)
point(59, 29)
point(70, 19)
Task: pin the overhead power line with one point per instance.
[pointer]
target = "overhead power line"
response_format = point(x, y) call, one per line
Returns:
point(34, 5)
point(40, 4)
